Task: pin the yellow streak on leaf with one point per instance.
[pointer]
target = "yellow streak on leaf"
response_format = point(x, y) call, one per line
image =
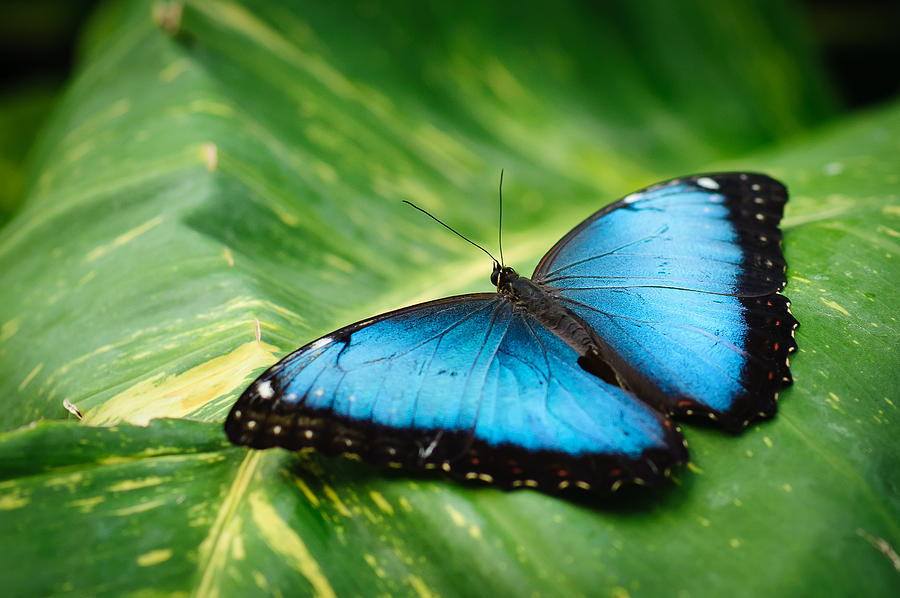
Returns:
point(278, 534)
point(97, 121)
point(370, 515)
point(204, 106)
point(261, 582)
point(154, 557)
point(381, 502)
point(237, 548)
point(291, 220)
point(255, 304)
point(139, 508)
point(211, 156)
point(62, 371)
point(404, 502)
point(241, 20)
point(419, 586)
point(178, 395)
point(8, 330)
point(834, 305)
point(325, 171)
point(333, 497)
point(457, 517)
point(30, 376)
point(504, 84)
point(80, 151)
point(173, 70)
point(373, 563)
point(452, 157)
point(886, 229)
point(307, 492)
point(338, 262)
point(71, 481)
point(127, 485)
point(13, 500)
point(86, 505)
point(620, 592)
point(228, 524)
point(123, 239)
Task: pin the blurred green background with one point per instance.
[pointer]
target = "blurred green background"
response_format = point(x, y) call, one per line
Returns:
point(173, 173)
point(854, 42)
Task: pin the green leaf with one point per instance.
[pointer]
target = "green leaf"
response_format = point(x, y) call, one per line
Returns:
point(249, 168)
point(86, 504)
point(21, 113)
point(253, 167)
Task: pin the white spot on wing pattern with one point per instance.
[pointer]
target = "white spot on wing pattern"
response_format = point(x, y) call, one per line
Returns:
point(265, 389)
point(325, 340)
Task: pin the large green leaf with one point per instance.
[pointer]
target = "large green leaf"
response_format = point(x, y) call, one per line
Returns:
point(20, 114)
point(251, 166)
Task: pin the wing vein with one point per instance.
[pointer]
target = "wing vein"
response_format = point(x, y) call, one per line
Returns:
point(490, 361)
point(652, 235)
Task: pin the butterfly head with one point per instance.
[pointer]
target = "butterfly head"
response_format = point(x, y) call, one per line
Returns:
point(502, 276)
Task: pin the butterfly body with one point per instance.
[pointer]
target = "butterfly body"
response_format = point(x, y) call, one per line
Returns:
point(537, 301)
point(663, 303)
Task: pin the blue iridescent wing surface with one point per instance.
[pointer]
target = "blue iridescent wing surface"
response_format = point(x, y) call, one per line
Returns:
point(680, 281)
point(471, 385)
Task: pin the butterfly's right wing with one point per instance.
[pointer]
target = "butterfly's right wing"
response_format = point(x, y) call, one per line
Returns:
point(468, 384)
point(680, 281)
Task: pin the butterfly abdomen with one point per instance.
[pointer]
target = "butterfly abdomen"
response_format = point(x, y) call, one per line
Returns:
point(546, 309)
point(543, 307)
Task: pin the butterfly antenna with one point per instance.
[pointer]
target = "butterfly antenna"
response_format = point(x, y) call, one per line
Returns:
point(500, 226)
point(450, 228)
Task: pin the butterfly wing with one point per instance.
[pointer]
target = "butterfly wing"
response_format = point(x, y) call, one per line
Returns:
point(681, 283)
point(472, 385)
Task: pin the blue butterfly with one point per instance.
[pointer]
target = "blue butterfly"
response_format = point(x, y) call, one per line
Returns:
point(664, 303)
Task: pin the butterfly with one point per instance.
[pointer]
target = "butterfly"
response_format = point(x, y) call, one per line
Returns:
point(663, 304)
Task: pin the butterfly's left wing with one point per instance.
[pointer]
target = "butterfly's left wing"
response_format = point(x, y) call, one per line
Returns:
point(472, 385)
point(681, 282)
